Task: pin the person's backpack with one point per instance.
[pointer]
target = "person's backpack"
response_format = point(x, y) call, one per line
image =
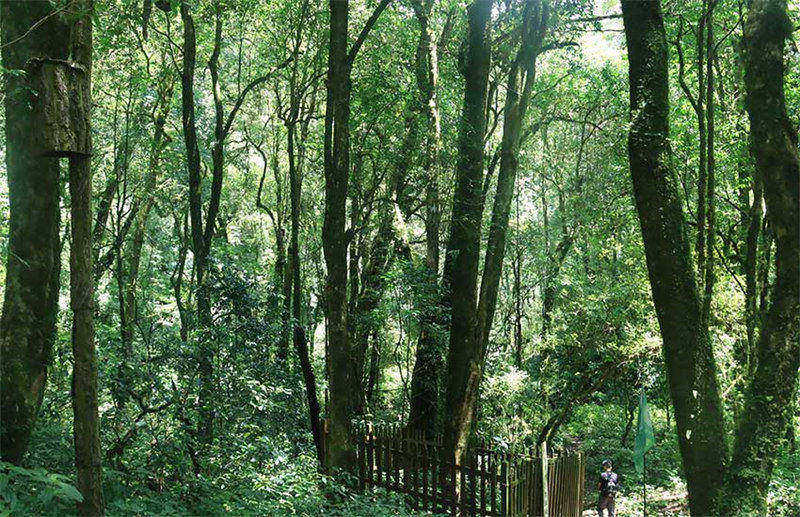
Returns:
point(609, 486)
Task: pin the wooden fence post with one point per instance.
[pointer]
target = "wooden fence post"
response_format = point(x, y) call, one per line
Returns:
point(503, 485)
point(362, 457)
point(414, 466)
point(545, 480)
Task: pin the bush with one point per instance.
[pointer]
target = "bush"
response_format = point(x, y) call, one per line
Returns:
point(35, 492)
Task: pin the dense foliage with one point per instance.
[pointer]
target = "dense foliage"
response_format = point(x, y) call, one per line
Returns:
point(210, 345)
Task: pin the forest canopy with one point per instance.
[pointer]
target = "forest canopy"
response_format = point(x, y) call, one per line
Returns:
point(237, 233)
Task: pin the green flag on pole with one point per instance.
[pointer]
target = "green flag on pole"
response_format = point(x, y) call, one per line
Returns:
point(644, 435)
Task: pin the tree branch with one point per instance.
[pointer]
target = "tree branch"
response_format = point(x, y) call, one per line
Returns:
point(240, 100)
point(594, 18)
point(351, 57)
point(681, 78)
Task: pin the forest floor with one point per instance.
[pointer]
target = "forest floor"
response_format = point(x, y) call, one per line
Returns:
point(661, 501)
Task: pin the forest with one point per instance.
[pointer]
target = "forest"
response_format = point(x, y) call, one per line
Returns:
point(237, 236)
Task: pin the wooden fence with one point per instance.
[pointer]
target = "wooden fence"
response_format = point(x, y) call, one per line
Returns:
point(487, 483)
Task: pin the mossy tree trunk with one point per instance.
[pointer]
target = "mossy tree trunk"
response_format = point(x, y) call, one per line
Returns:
point(198, 240)
point(427, 373)
point(769, 398)
point(27, 328)
point(691, 370)
point(719, 485)
point(334, 240)
point(519, 88)
point(342, 371)
point(463, 249)
point(86, 425)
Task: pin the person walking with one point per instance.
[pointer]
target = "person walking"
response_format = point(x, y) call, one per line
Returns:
point(607, 486)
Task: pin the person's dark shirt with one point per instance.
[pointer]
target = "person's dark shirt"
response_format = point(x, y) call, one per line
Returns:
point(605, 477)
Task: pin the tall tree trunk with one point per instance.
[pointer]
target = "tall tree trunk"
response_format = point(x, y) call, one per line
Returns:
point(691, 370)
point(769, 399)
point(195, 212)
point(520, 85)
point(299, 336)
point(28, 325)
point(84, 374)
point(751, 261)
point(286, 262)
point(751, 222)
point(342, 374)
point(702, 154)
point(334, 241)
point(463, 249)
point(202, 234)
point(710, 184)
point(426, 376)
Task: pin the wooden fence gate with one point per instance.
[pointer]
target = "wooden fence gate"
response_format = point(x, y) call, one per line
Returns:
point(488, 483)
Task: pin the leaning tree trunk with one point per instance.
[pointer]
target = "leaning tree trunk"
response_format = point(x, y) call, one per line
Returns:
point(520, 85)
point(463, 250)
point(84, 374)
point(769, 397)
point(298, 334)
point(28, 325)
point(691, 370)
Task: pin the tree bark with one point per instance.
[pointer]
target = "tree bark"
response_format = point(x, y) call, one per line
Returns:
point(426, 376)
point(691, 370)
point(334, 242)
point(463, 250)
point(86, 434)
point(199, 248)
point(702, 172)
point(751, 261)
point(342, 373)
point(769, 398)
point(28, 325)
point(707, 270)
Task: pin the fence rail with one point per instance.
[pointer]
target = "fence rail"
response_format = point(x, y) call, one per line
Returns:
point(487, 483)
